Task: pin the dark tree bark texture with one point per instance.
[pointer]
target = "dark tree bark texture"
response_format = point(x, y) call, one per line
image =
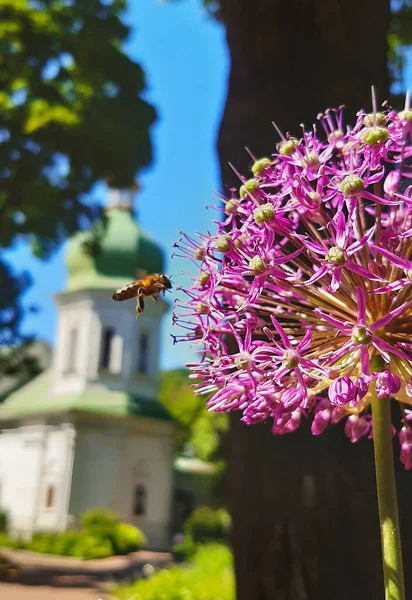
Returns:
point(304, 508)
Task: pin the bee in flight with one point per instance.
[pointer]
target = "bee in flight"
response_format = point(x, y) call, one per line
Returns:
point(149, 285)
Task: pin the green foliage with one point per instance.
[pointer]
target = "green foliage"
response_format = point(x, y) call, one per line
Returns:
point(207, 524)
point(92, 546)
point(210, 577)
point(198, 427)
point(42, 542)
point(99, 520)
point(8, 542)
point(71, 114)
point(184, 550)
point(126, 538)
point(101, 536)
point(3, 520)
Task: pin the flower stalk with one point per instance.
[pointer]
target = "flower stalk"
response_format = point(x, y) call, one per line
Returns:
point(387, 500)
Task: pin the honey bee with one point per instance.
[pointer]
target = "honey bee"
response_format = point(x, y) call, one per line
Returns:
point(149, 285)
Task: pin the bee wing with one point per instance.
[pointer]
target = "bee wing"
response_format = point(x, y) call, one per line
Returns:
point(141, 273)
point(139, 305)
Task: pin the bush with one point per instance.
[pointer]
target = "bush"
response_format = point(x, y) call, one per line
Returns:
point(65, 543)
point(3, 521)
point(210, 577)
point(184, 550)
point(99, 520)
point(42, 542)
point(102, 536)
point(8, 542)
point(207, 524)
point(91, 546)
point(126, 538)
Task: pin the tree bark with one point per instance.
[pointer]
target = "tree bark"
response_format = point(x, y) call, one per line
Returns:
point(304, 508)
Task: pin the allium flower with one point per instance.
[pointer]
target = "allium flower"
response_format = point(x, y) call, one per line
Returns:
point(306, 285)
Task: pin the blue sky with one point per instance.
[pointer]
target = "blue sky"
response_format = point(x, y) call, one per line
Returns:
point(184, 55)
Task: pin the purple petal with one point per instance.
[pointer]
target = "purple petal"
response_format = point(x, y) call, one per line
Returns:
point(360, 296)
point(388, 318)
point(281, 333)
point(335, 322)
point(402, 263)
point(388, 349)
point(340, 230)
point(360, 243)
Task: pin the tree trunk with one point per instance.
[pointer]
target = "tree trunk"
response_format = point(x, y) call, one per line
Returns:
point(304, 508)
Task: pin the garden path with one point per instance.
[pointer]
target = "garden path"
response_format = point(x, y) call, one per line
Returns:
point(17, 591)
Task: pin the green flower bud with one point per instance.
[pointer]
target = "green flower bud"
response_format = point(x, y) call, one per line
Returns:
point(223, 243)
point(352, 184)
point(259, 165)
point(409, 274)
point(231, 207)
point(250, 186)
point(405, 115)
point(335, 135)
point(290, 359)
point(256, 264)
point(203, 278)
point(202, 308)
point(240, 240)
point(264, 214)
point(375, 135)
point(315, 197)
point(287, 147)
point(361, 335)
point(370, 121)
point(336, 256)
point(311, 160)
point(199, 254)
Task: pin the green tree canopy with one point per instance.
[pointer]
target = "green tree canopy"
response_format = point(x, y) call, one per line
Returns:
point(196, 425)
point(71, 114)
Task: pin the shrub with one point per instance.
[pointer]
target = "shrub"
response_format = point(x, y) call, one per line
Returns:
point(184, 550)
point(8, 542)
point(65, 543)
point(207, 524)
point(92, 546)
point(42, 542)
point(3, 520)
point(210, 577)
point(126, 538)
point(98, 520)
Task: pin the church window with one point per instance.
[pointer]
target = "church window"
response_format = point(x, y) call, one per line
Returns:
point(111, 350)
point(106, 349)
point(139, 500)
point(72, 351)
point(50, 497)
point(143, 365)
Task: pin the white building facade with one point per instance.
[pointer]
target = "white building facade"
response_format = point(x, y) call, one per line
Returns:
point(90, 432)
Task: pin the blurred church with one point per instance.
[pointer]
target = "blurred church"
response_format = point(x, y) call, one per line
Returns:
point(89, 431)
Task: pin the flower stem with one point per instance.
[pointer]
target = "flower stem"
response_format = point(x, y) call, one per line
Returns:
point(387, 501)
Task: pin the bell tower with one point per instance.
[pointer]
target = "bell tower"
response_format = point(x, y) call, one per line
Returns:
point(100, 344)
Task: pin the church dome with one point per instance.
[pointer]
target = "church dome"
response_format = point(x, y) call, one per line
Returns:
point(108, 255)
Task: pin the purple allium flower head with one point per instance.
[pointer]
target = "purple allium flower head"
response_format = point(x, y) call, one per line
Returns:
point(308, 279)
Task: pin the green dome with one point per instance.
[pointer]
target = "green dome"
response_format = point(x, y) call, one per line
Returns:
point(109, 255)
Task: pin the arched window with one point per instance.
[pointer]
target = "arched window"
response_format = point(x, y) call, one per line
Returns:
point(106, 347)
point(50, 497)
point(143, 357)
point(139, 500)
point(71, 355)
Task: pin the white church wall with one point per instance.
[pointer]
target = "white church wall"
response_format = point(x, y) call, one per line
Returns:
point(32, 460)
point(71, 359)
point(110, 461)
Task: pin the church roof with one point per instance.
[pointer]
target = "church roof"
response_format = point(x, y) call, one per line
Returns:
point(108, 256)
point(35, 399)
